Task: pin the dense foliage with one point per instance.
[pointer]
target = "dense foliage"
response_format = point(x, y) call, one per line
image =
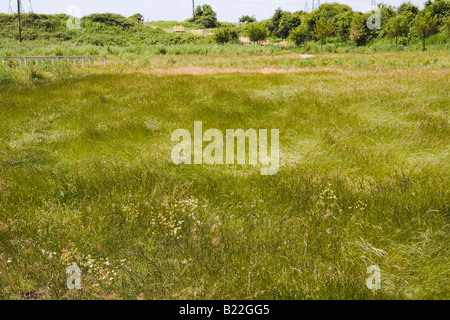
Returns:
point(105, 29)
point(332, 22)
point(343, 24)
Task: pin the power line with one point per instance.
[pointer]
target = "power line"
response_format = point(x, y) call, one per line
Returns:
point(19, 8)
point(374, 4)
point(315, 5)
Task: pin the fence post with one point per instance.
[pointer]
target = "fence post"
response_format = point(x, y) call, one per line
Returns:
point(25, 61)
point(82, 61)
point(3, 61)
point(37, 61)
point(90, 60)
point(53, 61)
point(104, 61)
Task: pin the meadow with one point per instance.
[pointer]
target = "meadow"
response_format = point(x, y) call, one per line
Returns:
point(86, 177)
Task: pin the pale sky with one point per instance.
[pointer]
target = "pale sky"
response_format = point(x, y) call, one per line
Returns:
point(227, 10)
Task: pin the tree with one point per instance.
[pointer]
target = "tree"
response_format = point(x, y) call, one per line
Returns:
point(438, 8)
point(324, 29)
point(205, 16)
point(248, 18)
point(407, 8)
point(397, 27)
point(338, 14)
point(409, 12)
point(288, 22)
point(425, 25)
point(257, 31)
point(344, 24)
point(445, 29)
point(135, 16)
point(225, 35)
point(222, 36)
point(299, 35)
point(356, 31)
point(274, 22)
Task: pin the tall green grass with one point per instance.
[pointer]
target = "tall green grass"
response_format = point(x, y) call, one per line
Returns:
point(86, 178)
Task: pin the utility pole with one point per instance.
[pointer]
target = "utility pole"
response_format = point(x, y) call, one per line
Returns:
point(193, 8)
point(20, 24)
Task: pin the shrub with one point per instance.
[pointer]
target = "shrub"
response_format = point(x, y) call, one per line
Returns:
point(206, 17)
point(257, 31)
point(324, 29)
point(248, 18)
point(299, 35)
point(162, 50)
point(110, 19)
point(6, 76)
point(135, 16)
point(222, 36)
point(226, 35)
point(445, 29)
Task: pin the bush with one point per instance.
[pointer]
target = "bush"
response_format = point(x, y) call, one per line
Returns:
point(110, 19)
point(135, 16)
point(206, 17)
point(248, 18)
point(257, 32)
point(299, 35)
point(162, 50)
point(222, 36)
point(226, 35)
point(6, 76)
point(445, 29)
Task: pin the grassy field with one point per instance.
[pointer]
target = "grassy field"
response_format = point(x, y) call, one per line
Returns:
point(86, 177)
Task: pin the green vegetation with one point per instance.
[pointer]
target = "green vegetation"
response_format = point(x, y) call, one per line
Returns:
point(299, 35)
point(247, 18)
point(347, 25)
point(257, 32)
point(397, 27)
point(205, 17)
point(324, 29)
point(86, 177)
point(226, 35)
point(445, 29)
point(338, 23)
point(425, 25)
point(98, 29)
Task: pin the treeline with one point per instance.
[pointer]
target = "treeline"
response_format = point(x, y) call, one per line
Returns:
point(340, 22)
point(330, 22)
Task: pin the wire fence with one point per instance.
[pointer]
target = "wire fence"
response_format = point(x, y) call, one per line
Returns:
point(24, 60)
